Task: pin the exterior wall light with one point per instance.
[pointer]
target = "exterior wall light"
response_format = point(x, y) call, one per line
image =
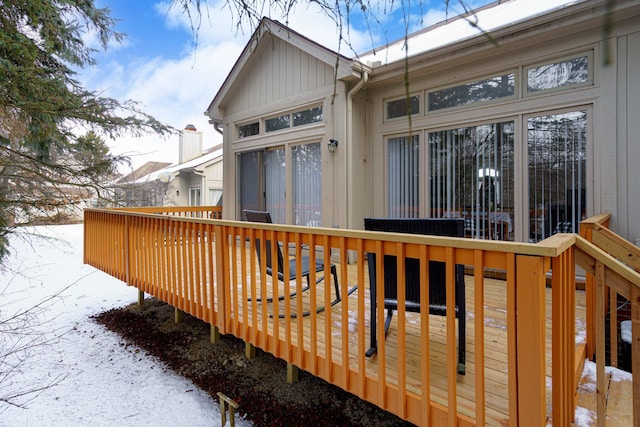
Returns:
point(333, 145)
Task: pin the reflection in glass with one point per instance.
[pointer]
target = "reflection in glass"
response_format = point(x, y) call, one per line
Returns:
point(248, 130)
point(277, 123)
point(403, 107)
point(558, 74)
point(312, 115)
point(482, 90)
point(557, 173)
point(471, 176)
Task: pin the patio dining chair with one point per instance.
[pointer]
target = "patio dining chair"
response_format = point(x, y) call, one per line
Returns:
point(305, 262)
point(437, 277)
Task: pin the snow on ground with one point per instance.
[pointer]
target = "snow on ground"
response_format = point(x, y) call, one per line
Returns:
point(88, 375)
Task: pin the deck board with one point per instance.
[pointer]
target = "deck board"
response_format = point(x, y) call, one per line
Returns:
point(495, 352)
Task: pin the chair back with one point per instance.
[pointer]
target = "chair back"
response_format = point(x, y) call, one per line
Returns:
point(264, 217)
point(437, 271)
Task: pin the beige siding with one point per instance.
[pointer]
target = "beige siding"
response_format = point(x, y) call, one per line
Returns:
point(629, 170)
point(214, 175)
point(278, 71)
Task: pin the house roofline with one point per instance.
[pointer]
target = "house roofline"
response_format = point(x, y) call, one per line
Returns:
point(277, 29)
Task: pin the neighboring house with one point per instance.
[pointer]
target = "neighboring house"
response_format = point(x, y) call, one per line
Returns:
point(197, 179)
point(139, 188)
point(523, 134)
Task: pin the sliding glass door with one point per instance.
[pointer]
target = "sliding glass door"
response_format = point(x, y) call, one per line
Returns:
point(263, 178)
point(557, 171)
point(471, 173)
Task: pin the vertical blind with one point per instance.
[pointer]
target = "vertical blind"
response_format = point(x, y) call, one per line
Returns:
point(403, 182)
point(275, 184)
point(307, 184)
point(557, 147)
point(471, 176)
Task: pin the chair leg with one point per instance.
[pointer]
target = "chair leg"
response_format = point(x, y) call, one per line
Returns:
point(387, 321)
point(334, 273)
point(461, 344)
point(374, 340)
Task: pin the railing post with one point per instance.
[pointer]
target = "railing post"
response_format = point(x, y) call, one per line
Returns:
point(530, 338)
point(563, 338)
point(586, 230)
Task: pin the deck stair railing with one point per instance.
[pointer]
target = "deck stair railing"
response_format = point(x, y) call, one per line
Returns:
point(209, 269)
point(609, 261)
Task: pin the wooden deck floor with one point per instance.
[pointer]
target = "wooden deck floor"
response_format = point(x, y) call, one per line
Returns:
point(496, 371)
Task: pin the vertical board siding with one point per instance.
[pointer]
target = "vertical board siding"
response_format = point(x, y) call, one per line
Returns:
point(279, 71)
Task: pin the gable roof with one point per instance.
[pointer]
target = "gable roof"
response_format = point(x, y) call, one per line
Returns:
point(276, 29)
point(142, 172)
point(209, 156)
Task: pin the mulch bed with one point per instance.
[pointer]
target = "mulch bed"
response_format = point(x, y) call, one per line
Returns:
point(259, 385)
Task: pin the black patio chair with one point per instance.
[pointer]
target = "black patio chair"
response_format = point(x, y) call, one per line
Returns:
point(306, 263)
point(437, 277)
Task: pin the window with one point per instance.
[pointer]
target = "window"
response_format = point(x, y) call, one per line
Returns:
point(307, 184)
point(403, 107)
point(403, 177)
point(248, 130)
point(277, 123)
point(215, 197)
point(194, 196)
point(468, 93)
point(312, 115)
point(299, 118)
point(558, 74)
point(471, 176)
point(557, 150)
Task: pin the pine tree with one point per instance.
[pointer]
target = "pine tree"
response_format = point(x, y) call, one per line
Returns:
point(43, 107)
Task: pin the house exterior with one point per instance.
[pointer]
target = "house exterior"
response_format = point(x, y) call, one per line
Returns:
point(138, 188)
point(196, 180)
point(523, 133)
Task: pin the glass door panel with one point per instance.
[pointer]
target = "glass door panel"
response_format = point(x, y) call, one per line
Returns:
point(471, 176)
point(557, 147)
point(307, 184)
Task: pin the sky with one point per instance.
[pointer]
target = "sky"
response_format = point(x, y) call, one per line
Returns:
point(174, 78)
point(99, 380)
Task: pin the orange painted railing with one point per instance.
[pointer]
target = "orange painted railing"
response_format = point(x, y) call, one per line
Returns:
point(209, 212)
point(605, 280)
point(209, 268)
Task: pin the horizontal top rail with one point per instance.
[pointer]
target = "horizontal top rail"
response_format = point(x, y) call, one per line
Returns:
point(550, 247)
point(619, 276)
